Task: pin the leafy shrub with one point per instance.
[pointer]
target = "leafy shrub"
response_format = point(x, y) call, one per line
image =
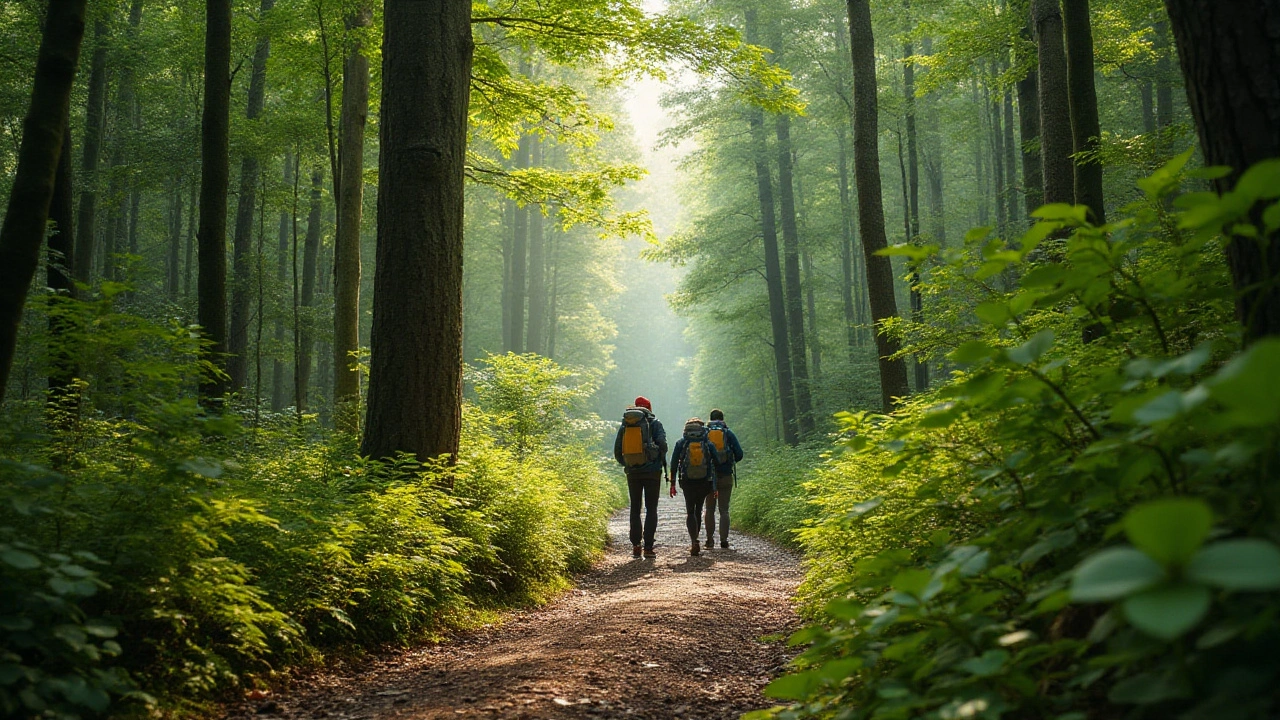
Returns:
point(965, 558)
point(770, 498)
point(229, 552)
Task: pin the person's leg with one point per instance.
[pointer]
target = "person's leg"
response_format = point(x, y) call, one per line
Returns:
point(634, 489)
point(693, 510)
point(723, 503)
point(652, 488)
point(709, 519)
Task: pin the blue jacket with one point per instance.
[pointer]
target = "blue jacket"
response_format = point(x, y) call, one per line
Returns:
point(658, 435)
point(677, 456)
point(735, 448)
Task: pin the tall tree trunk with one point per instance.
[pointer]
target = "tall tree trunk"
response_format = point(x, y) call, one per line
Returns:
point(1057, 171)
point(980, 157)
point(866, 160)
point(913, 198)
point(1083, 100)
point(279, 369)
point(1231, 65)
point(846, 245)
point(22, 233)
point(509, 211)
point(1164, 76)
point(1147, 97)
point(992, 97)
point(310, 258)
point(553, 318)
point(415, 382)
point(60, 269)
point(792, 292)
point(933, 162)
point(519, 254)
point(1029, 129)
point(93, 120)
point(193, 204)
point(242, 241)
point(214, 171)
point(535, 338)
point(1010, 159)
point(772, 263)
point(346, 243)
point(113, 231)
point(173, 260)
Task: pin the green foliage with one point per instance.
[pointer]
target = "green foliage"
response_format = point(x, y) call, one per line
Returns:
point(228, 553)
point(770, 499)
point(964, 560)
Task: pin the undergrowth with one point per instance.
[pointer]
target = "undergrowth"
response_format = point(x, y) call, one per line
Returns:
point(158, 555)
point(1081, 522)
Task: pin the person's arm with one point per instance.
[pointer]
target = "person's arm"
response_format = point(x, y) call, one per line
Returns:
point(617, 446)
point(735, 446)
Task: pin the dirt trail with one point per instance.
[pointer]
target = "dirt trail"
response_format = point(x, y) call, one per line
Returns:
point(675, 637)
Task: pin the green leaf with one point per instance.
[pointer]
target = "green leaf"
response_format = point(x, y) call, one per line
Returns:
point(1247, 386)
point(793, 687)
point(988, 664)
point(971, 352)
point(1260, 182)
point(1169, 530)
point(1168, 612)
point(1031, 350)
point(19, 559)
point(1114, 573)
point(912, 582)
point(1243, 564)
point(1043, 276)
point(993, 312)
point(1147, 689)
point(863, 508)
point(1062, 211)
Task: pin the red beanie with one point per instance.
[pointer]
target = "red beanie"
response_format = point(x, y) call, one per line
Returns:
point(643, 402)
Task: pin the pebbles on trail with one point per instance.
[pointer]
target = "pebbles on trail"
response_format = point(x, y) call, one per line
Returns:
point(671, 637)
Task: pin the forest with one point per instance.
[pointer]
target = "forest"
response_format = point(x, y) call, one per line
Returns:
point(317, 318)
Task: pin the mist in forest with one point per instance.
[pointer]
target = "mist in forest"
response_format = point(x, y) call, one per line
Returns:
point(652, 356)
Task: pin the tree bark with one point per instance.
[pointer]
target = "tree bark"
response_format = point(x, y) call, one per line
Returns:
point(1057, 171)
point(93, 117)
point(310, 258)
point(519, 254)
point(772, 262)
point(214, 171)
point(792, 291)
point(846, 246)
point(933, 162)
point(1083, 100)
point(1231, 67)
point(535, 337)
point(866, 160)
point(279, 368)
point(193, 205)
point(415, 383)
point(242, 240)
point(1029, 129)
point(60, 271)
point(1010, 160)
point(173, 261)
point(913, 198)
point(30, 196)
point(1164, 76)
point(346, 243)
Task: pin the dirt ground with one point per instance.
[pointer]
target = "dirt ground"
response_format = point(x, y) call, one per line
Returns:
point(675, 637)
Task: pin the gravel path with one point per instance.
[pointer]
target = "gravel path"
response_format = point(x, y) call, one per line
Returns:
point(675, 637)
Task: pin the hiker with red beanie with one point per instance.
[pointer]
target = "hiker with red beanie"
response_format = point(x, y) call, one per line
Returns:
point(641, 449)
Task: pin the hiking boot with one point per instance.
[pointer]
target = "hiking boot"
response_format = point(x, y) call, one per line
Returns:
point(649, 553)
point(708, 544)
point(635, 551)
point(696, 549)
point(724, 544)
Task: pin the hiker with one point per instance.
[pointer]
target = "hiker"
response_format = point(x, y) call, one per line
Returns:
point(694, 462)
point(728, 452)
point(641, 448)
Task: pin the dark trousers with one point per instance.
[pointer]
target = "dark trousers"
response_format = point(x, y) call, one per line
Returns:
point(695, 494)
point(646, 484)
